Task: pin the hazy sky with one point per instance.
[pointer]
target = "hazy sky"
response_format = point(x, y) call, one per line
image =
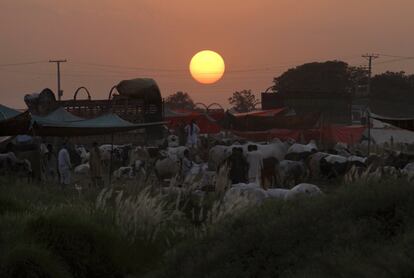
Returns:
point(258, 39)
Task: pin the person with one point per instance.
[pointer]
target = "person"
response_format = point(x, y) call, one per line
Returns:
point(64, 165)
point(181, 133)
point(254, 159)
point(43, 157)
point(192, 131)
point(51, 165)
point(238, 166)
point(95, 165)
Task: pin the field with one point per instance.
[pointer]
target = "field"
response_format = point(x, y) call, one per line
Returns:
point(356, 230)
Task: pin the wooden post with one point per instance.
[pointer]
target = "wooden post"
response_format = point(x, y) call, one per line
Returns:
point(110, 163)
point(369, 132)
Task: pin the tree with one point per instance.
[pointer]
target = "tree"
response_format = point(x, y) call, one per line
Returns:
point(243, 101)
point(179, 100)
point(334, 77)
point(393, 85)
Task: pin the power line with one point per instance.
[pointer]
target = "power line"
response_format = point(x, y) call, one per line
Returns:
point(22, 64)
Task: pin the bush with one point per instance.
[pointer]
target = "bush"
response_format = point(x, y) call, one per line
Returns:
point(360, 230)
point(32, 261)
point(89, 249)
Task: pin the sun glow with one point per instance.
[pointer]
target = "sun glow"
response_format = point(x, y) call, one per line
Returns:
point(207, 67)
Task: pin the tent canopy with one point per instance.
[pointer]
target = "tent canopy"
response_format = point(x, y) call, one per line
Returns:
point(7, 112)
point(63, 123)
point(404, 123)
point(13, 122)
point(58, 117)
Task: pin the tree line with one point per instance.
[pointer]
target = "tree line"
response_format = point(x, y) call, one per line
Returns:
point(331, 77)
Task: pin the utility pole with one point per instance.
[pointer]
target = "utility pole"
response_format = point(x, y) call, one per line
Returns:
point(60, 92)
point(370, 57)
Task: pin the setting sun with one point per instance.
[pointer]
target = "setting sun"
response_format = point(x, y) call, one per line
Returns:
point(207, 67)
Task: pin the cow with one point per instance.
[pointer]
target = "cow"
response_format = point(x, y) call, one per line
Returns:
point(291, 172)
point(303, 189)
point(313, 163)
point(332, 166)
point(299, 152)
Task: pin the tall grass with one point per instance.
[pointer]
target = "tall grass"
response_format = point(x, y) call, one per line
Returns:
point(362, 230)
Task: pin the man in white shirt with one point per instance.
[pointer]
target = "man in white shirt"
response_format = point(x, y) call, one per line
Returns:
point(255, 161)
point(192, 131)
point(64, 165)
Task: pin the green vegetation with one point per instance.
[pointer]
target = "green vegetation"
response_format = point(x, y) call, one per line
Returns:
point(358, 230)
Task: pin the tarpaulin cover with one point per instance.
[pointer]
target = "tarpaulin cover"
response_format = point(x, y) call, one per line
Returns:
point(19, 124)
point(142, 88)
point(13, 122)
point(207, 123)
point(268, 135)
point(58, 117)
point(330, 135)
point(7, 112)
point(404, 123)
point(263, 123)
point(346, 134)
point(260, 113)
point(62, 123)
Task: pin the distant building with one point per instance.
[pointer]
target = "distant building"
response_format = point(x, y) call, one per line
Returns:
point(334, 108)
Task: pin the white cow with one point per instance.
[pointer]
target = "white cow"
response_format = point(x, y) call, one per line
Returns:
point(408, 170)
point(83, 153)
point(124, 173)
point(82, 169)
point(299, 151)
point(252, 193)
point(303, 189)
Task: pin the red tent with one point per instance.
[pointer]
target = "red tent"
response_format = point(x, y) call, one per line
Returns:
point(207, 123)
point(329, 135)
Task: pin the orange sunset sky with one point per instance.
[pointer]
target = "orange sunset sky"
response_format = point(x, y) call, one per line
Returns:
point(258, 39)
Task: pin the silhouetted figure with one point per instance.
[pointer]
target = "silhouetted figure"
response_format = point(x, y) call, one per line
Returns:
point(64, 165)
point(192, 130)
point(95, 165)
point(238, 166)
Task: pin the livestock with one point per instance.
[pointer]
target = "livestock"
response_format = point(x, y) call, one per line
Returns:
point(138, 154)
point(270, 172)
point(166, 168)
point(173, 141)
point(82, 169)
point(83, 153)
point(217, 155)
point(250, 193)
point(291, 172)
point(299, 151)
point(11, 165)
point(120, 153)
point(333, 166)
point(313, 163)
point(409, 171)
point(303, 189)
point(124, 173)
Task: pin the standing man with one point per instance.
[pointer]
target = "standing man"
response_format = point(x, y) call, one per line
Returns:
point(95, 165)
point(51, 165)
point(254, 159)
point(238, 166)
point(64, 165)
point(192, 131)
point(181, 133)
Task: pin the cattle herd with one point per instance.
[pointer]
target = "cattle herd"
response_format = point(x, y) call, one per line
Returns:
point(286, 168)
